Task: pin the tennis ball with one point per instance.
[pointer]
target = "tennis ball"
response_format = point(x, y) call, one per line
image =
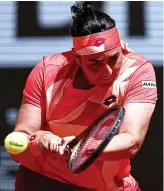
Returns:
point(16, 143)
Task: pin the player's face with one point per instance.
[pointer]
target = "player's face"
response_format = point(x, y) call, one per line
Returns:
point(100, 68)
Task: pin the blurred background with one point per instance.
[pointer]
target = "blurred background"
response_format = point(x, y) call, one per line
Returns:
point(30, 30)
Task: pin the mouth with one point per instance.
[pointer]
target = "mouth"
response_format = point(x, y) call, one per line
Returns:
point(101, 80)
point(106, 78)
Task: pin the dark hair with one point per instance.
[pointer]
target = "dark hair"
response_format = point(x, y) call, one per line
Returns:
point(86, 21)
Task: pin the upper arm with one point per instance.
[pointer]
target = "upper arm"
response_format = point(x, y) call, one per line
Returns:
point(140, 102)
point(142, 86)
point(34, 87)
point(31, 112)
point(29, 118)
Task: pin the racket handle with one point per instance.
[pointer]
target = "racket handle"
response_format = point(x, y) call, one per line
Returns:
point(66, 142)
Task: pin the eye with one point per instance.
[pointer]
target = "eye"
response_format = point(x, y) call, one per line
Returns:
point(115, 56)
point(95, 63)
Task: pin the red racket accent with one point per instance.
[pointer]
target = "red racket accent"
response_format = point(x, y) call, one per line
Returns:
point(95, 138)
point(85, 148)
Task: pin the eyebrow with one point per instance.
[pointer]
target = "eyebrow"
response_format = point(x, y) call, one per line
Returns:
point(100, 59)
point(95, 59)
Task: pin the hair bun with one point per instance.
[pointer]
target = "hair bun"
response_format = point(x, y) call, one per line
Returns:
point(81, 8)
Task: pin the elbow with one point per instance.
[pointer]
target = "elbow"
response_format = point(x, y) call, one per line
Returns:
point(135, 147)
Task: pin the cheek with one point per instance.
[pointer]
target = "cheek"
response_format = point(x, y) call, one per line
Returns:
point(119, 62)
point(115, 64)
point(112, 63)
point(90, 71)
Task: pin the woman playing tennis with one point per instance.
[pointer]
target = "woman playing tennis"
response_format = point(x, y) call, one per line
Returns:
point(66, 92)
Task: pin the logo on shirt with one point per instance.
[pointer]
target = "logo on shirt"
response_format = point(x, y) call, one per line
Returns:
point(148, 84)
point(109, 100)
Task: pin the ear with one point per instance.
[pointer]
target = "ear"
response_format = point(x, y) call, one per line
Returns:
point(76, 56)
point(125, 48)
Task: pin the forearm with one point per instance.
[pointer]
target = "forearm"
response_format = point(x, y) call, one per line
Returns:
point(122, 146)
point(29, 122)
point(42, 143)
point(33, 140)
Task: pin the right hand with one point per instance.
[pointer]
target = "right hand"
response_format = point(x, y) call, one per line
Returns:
point(53, 147)
point(49, 144)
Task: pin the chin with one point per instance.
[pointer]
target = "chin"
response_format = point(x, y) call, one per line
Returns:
point(97, 83)
point(103, 82)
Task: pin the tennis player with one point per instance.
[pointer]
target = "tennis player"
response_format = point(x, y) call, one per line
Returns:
point(66, 92)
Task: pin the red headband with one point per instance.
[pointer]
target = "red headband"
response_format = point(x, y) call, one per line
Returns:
point(97, 42)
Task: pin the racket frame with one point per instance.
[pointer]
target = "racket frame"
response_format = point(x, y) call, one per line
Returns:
point(82, 138)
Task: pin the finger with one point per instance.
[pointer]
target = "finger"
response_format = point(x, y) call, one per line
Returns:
point(68, 139)
point(53, 144)
point(61, 150)
point(46, 141)
point(59, 141)
point(56, 148)
point(46, 144)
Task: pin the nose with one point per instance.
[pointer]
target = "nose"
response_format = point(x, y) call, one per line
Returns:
point(106, 70)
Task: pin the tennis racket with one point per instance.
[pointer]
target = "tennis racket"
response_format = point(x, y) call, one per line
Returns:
point(85, 148)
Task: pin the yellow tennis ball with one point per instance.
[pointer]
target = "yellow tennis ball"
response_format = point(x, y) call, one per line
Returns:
point(16, 143)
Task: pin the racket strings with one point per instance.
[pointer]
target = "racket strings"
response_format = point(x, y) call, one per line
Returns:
point(91, 142)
